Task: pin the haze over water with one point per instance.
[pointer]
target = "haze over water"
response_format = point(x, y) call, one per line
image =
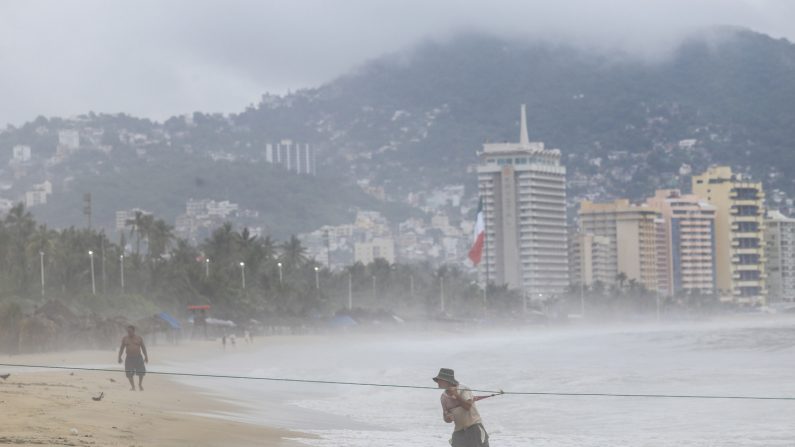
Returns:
point(740, 357)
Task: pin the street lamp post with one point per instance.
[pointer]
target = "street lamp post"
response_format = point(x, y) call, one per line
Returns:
point(582, 299)
point(350, 290)
point(441, 292)
point(93, 281)
point(41, 261)
point(657, 297)
point(374, 293)
point(207, 268)
point(281, 276)
point(243, 274)
point(317, 282)
point(121, 271)
point(102, 264)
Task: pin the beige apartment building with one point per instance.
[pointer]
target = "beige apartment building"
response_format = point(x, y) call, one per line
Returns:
point(377, 248)
point(739, 233)
point(631, 233)
point(780, 251)
point(591, 260)
point(523, 188)
point(687, 246)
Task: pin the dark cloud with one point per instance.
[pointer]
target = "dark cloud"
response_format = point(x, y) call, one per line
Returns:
point(154, 58)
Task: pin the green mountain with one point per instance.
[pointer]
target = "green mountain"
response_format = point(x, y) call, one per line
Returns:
point(413, 121)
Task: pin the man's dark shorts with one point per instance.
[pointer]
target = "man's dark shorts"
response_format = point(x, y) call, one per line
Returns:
point(134, 364)
point(472, 436)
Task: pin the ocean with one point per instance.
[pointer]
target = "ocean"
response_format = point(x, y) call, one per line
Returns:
point(743, 356)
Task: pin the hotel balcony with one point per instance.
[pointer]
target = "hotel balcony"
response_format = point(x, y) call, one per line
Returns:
point(737, 284)
point(737, 248)
point(758, 218)
point(746, 202)
point(747, 234)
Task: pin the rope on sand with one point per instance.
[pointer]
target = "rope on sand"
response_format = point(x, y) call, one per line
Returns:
point(416, 387)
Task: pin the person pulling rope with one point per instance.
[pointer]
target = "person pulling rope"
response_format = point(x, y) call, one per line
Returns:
point(458, 407)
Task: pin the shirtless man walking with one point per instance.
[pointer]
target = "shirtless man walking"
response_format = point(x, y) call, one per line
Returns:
point(458, 407)
point(134, 362)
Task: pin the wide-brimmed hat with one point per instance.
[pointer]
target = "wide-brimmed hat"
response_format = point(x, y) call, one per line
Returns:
point(446, 374)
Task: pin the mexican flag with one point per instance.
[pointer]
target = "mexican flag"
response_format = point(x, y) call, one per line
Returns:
point(479, 236)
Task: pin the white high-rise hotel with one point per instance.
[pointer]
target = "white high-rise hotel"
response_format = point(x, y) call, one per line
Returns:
point(523, 188)
point(299, 158)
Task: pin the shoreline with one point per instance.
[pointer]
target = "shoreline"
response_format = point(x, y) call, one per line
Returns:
point(55, 407)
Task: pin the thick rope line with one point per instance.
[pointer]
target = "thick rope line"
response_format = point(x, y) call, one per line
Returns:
point(416, 387)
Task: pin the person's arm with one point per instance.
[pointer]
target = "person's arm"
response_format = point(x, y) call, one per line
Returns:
point(446, 415)
point(143, 349)
point(464, 399)
point(121, 348)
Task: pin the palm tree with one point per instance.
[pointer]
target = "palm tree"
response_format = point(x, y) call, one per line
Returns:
point(621, 277)
point(137, 224)
point(160, 235)
point(293, 253)
point(70, 266)
point(20, 227)
point(220, 247)
point(146, 229)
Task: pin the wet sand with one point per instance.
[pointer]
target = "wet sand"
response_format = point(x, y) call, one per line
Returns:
point(56, 407)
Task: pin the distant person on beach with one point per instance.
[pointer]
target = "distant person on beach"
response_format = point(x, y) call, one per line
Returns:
point(134, 361)
point(458, 407)
point(223, 341)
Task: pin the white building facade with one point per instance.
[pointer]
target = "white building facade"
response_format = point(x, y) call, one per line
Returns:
point(780, 249)
point(523, 188)
point(21, 153)
point(295, 157)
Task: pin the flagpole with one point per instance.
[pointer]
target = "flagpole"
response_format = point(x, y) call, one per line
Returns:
point(486, 249)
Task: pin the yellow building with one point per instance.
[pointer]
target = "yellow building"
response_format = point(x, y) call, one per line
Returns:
point(739, 233)
point(632, 233)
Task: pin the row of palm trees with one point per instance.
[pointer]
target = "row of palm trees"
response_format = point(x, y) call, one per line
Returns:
point(166, 272)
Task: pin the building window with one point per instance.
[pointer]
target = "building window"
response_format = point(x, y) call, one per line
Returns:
point(748, 259)
point(748, 227)
point(748, 242)
point(746, 193)
point(749, 275)
point(747, 210)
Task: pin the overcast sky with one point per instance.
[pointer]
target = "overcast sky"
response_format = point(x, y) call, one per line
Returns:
point(156, 58)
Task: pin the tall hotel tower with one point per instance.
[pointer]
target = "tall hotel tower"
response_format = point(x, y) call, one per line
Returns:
point(523, 189)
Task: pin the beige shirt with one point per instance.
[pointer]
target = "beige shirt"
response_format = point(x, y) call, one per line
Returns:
point(461, 418)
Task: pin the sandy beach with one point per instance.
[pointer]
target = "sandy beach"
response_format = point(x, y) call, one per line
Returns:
point(56, 407)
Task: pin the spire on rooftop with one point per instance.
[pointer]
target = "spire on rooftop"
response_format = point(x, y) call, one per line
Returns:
point(523, 139)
